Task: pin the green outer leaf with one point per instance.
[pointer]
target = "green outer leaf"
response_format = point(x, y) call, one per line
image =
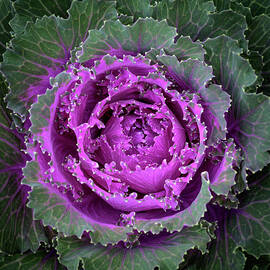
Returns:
point(251, 112)
point(56, 211)
point(250, 226)
point(254, 130)
point(257, 7)
point(44, 48)
point(185, 48)
point(224, 254)
point(125, 19)
point(165, 253)
point(263, 263)
point(256, 61)
point(135, 8)
point(18, 231)
point(254, 57)
point(30, 10)
point(196, 18)
point(192, 73)
point(115, 37)
point(236, 6)
point(247, 227)
point(222, 4)
point(31, 261)
point(228, 23)
point(259, 41)
point(233, 71)
point(239, 8)
point(10, 141)
point(188, 16)
point(6, 14)
point(18, 23)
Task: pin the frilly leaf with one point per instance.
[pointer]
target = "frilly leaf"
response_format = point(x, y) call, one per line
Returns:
point(117, 39)
point(189, 17)
point(222, 175)
point(250, 114)
point(224, 254)
point(190, 74)
point(198, 19)
point(247, 227)
point(258, 36)
point(135, 8)
point(256, 7)
point(185, 48)
point(217, 103)
point(6, 14)
point(31, 10)
point(44, 48)
point(39, 260)
point(56, 210)
point(194, 75)
point(188, 217)
point(165, 252)
point(19, 232)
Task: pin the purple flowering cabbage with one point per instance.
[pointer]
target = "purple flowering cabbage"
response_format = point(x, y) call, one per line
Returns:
point(134, 134)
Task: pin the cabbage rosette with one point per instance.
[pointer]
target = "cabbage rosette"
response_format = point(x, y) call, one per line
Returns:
point(125, 139)
point(134, 130)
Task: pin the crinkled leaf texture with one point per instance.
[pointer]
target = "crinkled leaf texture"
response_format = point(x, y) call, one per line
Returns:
point(247, 227)
point(19, 232)
point(58, 179)
point(68, 216)
point(6, 14)
point(44, 48)
point(28, 11)
point(249, 117)
point(164, 251)
point(42, 259)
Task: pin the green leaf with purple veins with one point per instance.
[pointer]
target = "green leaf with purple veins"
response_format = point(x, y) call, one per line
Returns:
point(28, 11)
point(247, 227)
point(257, 7)
point(185, 48)
point(250, 114)
point(118, 39)
point(57, 210)
point(19, 232)
point(258, 36)
point(189, 17)
point(6, 14)
point(42, 260)
point(43, 50)
point(198, 19)
point(165, 251)
point(135, 8)
point(224, 254)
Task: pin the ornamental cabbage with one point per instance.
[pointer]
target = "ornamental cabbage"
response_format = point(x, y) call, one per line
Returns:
point(134, 134)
